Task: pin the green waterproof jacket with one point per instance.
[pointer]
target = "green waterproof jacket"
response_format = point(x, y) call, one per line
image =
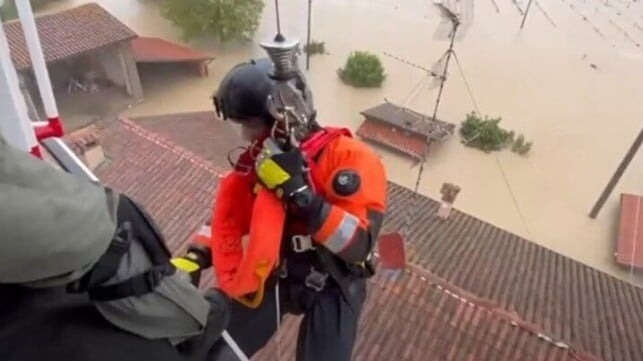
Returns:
point(53, 226)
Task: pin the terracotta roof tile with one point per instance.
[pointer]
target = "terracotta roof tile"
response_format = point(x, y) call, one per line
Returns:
point(200, 132)
point(553, 294)
point(68, 33)
point(393, 137)
point(175, 186)
point(421, 317)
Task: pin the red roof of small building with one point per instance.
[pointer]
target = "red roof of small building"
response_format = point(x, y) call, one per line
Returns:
point(402, 129)
point(629, 246)
point(410, 120)
point(156, 50)
point(393, 137)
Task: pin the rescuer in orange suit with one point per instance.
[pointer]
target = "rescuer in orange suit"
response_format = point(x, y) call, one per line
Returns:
point(333, 190)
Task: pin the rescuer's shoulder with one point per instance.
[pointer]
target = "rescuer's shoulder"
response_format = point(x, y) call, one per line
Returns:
point(344, 149)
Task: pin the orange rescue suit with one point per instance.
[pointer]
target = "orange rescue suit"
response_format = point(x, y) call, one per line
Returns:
point(242, 209)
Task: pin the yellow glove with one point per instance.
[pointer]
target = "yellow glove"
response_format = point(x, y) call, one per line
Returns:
point(189, 264)
point(281, 172)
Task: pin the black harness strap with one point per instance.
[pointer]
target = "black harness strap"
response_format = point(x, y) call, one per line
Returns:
point(341, 278)
point(134, 225)
point(135, 286)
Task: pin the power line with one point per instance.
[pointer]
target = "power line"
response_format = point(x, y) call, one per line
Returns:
point(518, 7)
point(408, 62)
point(496, 6)
point(502, 171)
point(542, 10)
point(524, 18)
point(523, 219)
point(466, 83)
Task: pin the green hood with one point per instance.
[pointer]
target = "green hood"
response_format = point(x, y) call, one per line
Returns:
point(53, 226)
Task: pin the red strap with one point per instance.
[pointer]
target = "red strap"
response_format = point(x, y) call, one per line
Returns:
point(319, 140)
point(312, 146)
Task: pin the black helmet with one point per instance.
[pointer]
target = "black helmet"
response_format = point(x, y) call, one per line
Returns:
point(244, 91)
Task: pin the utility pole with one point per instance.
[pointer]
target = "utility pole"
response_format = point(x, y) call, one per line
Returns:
point(617, 175)
point(308, 38)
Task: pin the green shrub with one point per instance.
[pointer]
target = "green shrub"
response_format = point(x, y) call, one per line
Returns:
point(8, 9)
point(520, 146)
point(484, 134)
point(362, 69)
point(487, 135)
point(315, 47)
point(227, 20)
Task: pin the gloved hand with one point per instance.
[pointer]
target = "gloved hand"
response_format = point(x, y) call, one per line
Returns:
point(193, 263)
point(198, 348)
point(282, 172)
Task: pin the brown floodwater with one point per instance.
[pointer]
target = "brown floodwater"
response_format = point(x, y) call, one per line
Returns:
point(571, 81)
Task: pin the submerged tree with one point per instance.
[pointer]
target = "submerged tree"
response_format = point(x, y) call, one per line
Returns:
point(362, 69)
point(487, 135)
point(227, 20)
point(8, 9)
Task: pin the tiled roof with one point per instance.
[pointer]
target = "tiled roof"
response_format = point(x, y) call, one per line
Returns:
point(68, 33)
point(393, 137)
point(562, 298)
point(566, 299)
point(156, 50)
point(420, 317)
point(175, 186)
point(410, 121)
point(197, 132)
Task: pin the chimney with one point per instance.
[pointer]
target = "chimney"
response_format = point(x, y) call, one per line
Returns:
point(449, 193)
point(86, 144)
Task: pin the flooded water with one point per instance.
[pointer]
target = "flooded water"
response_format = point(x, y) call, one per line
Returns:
point(571, 81)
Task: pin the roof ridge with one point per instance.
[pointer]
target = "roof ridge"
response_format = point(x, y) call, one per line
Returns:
point(512, 317)
point(172, 147)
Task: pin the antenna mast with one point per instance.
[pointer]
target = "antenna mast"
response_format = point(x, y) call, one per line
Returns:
point(455, 23)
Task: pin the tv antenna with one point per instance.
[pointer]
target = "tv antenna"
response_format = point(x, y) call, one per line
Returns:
point(457, 17)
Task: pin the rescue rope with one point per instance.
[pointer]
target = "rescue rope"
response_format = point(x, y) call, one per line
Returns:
point(233, 345)
point(278, 334)
point(277, 13)
point(277, 303)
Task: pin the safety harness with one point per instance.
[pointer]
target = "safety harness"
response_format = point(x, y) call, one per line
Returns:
point(338, 270)
point(243, 271)
point(134, 225)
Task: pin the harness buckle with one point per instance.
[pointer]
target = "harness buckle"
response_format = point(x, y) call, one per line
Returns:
point(316, 280)
point(283, 269)
point(302, 243)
